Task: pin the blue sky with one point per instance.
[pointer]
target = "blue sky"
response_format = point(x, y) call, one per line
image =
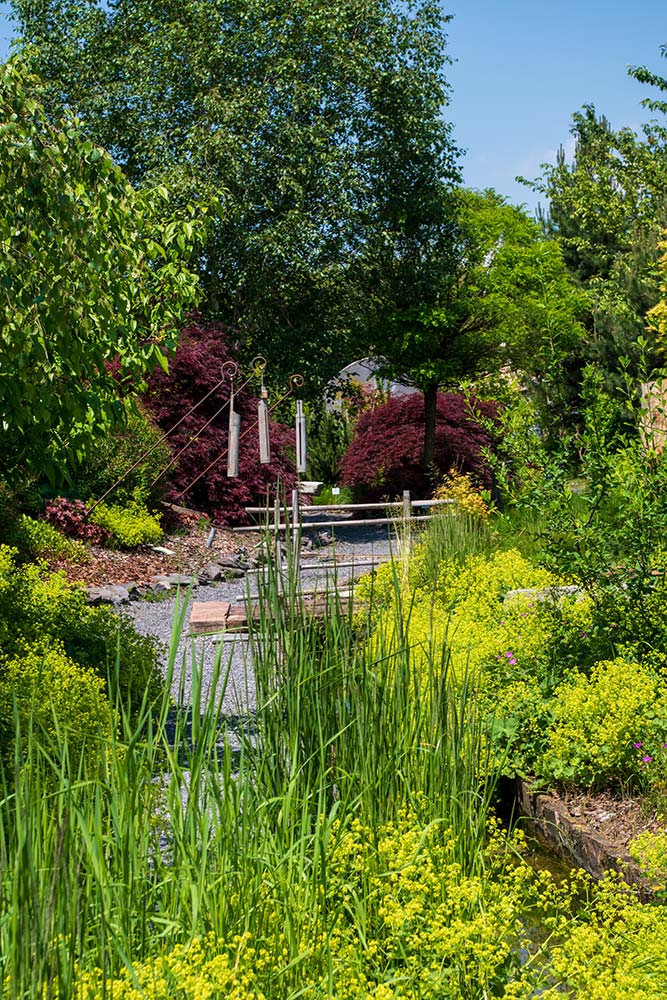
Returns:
point(524, 66)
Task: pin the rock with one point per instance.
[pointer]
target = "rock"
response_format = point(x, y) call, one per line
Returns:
point(232, 561)
point(160, 584)
point(310, 488)
point(162, 550)
point(543, 594)
point(112, 594)
point(212, 571)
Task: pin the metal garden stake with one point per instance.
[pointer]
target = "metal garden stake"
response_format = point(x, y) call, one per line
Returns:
point(263, 426)
point(301, 452)
point(233, 438)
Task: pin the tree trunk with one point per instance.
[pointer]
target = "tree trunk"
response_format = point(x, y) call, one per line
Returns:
point(430, 413)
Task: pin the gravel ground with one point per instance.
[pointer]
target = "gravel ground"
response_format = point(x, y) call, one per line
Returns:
point(354, 544)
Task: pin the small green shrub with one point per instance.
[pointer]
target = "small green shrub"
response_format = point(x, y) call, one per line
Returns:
point(606, 727)
point(129, 526)
point(40, 540)
point(36, 605)
point(60, 699)
point(326, 496)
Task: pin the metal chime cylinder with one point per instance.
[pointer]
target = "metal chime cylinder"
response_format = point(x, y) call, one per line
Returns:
point(233, 440)
point(301, 454)
point(263, 426)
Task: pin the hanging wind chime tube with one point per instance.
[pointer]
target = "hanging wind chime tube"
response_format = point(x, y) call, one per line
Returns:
point(301, 450)
point(234, 437)
point(263, 428)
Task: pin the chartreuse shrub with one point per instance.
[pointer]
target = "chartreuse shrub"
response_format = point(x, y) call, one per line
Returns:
point(607, 726)
point(37, 539)
point(127, 526)
point(465, 609)
point(39, 607)
point(43, 688)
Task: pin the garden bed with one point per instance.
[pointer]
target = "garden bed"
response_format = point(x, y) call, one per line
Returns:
point(185, 540)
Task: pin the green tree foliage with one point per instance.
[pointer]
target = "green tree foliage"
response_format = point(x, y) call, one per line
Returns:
point(503, 296)
point(316, 126)
point(94, 283)
point(606, 209)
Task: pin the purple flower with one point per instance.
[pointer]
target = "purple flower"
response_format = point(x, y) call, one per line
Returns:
point(647, 759)
point(637, 745)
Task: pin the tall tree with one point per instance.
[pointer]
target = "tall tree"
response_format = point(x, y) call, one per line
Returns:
point(94, 284)
point(498, 294)
point(606, 209)
point(273, 109)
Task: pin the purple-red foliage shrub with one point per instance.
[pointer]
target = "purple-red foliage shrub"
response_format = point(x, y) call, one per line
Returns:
point(69, 517)
point(385, 456)
point(193, 372)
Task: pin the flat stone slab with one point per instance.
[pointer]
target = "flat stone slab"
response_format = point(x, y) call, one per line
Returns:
point(209, 616)
point(220, 616)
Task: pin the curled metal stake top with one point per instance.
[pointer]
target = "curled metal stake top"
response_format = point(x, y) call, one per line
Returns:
point(294, 380)
point(229, 369)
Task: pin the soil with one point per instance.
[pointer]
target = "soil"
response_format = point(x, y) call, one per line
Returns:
point(618, 819)
point(186, 534)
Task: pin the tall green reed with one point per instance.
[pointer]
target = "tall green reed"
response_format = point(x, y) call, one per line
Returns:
point(174, 833)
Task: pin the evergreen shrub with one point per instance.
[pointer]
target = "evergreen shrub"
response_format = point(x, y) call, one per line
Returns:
point(193, 372)
point(385, 456)
point(114, 455)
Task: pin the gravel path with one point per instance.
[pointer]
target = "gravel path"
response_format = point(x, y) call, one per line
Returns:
point(355, 544)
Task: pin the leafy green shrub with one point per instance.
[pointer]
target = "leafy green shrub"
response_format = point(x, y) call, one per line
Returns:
point(107, 641)
point(40, 540)
point(39, 606)
point(115, 454)
point(60, 699)
point(606, 726)
point(128, 526)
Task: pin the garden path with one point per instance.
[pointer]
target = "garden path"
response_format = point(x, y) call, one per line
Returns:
point(353, 548)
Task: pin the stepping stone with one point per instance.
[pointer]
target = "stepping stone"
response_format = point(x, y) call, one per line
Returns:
point(209, 616)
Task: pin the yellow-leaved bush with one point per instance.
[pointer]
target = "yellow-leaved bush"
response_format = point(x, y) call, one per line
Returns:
point(605, 726)
point(399, 918)
point(129, 526)
point(466, 613)
point(61, 700)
